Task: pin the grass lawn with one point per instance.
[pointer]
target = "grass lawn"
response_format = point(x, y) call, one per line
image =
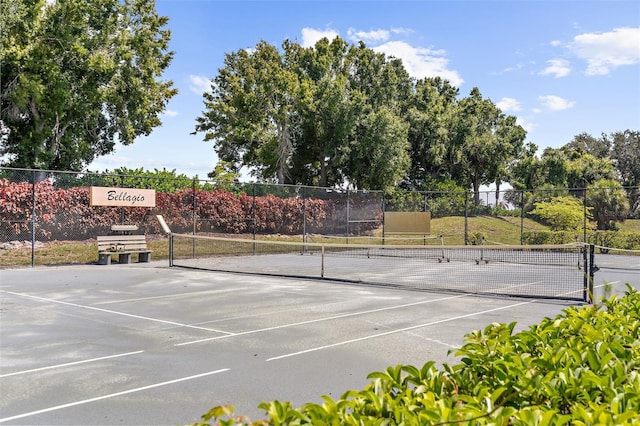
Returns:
point(630, 225)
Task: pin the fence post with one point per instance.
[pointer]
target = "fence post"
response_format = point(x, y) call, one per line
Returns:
point(584, 214)
point(253, 214)
point(194, 206)
point(348, 214)
point(121, 208)
point(304, 216)
point(384, 209)
point(171, 249)
point(33, 218)
point(466, 218)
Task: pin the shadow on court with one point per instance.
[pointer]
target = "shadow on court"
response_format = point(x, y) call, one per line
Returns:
point(133, 344)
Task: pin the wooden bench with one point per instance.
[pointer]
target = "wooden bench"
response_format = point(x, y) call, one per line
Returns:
point(123, 246)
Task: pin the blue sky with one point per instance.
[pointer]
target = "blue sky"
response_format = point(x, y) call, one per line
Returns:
point(561, 67)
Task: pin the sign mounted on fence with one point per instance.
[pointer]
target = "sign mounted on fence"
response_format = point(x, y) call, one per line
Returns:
point(122, 197)
point(418, 223)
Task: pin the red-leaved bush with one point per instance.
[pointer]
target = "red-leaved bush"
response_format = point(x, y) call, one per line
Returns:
point(65, 214)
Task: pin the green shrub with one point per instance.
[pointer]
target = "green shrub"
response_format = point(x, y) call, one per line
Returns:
point(477, 238)
point(615, 239)
point(561, 213)
point(579, 368)
point(551, 237)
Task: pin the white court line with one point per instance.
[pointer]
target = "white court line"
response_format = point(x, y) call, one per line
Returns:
point(111, 395)
point(401, 330)
point(70, 363)
point(114, 312)
point(194, 293)
point(322, 319)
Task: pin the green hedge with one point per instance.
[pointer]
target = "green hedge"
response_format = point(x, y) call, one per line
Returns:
point(614, 239)
point(579, 368)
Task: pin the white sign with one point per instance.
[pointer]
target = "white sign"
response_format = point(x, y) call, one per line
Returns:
point(122, 197)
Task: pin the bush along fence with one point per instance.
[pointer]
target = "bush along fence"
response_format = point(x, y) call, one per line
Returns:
point(39, 206)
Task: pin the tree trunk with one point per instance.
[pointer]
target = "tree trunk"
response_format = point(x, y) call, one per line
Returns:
point(476, 191)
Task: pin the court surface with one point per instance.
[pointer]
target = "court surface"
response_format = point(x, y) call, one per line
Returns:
point(147, 344)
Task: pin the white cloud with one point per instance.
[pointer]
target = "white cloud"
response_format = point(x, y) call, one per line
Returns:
point(421, 62)
point(199, 84)
point(170, 113)
point(373, 36)
point(556, 43)
point(555, 103)
point(509, 104)
point(310, 36)
point(527, 126)
point(557, 67)
point(401, 31)
point(604, 52)
point(517, 67)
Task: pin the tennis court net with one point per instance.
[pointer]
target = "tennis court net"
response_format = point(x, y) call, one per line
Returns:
point(542, 271)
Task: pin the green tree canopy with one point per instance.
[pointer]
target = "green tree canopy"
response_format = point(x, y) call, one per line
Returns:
point(626, 157)
point(77, 76)
point(608, 202)
point(302, 115)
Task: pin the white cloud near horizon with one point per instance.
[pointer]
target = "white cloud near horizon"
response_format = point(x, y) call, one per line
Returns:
point(555, 103)
point(509, 104)
point(421, 62)
point(605, 52)
point(310, 36)
point(199, 84)
point(557, 67)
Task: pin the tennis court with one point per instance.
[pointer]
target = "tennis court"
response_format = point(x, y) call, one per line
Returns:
point(148, 344)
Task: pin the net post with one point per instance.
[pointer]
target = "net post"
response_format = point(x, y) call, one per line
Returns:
point(592, 270)
point(322, 261)
point(522, 217)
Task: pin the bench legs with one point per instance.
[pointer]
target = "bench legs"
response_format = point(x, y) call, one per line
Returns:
point(105, 258)
point(144, 256)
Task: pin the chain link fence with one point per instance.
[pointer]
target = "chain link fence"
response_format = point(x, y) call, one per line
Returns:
point(46, 217)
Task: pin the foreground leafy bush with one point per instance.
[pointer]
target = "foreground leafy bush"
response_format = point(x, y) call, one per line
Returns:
point(579, 368)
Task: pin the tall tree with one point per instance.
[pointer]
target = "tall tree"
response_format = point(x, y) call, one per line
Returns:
point(486, 141)
point(626, 157)
point(584, 142)
point(299, 113)
point(379, 158)
point(608, 202)
point(330, 119)
point(429, 113)
point(79, 75)
point(250, 114)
